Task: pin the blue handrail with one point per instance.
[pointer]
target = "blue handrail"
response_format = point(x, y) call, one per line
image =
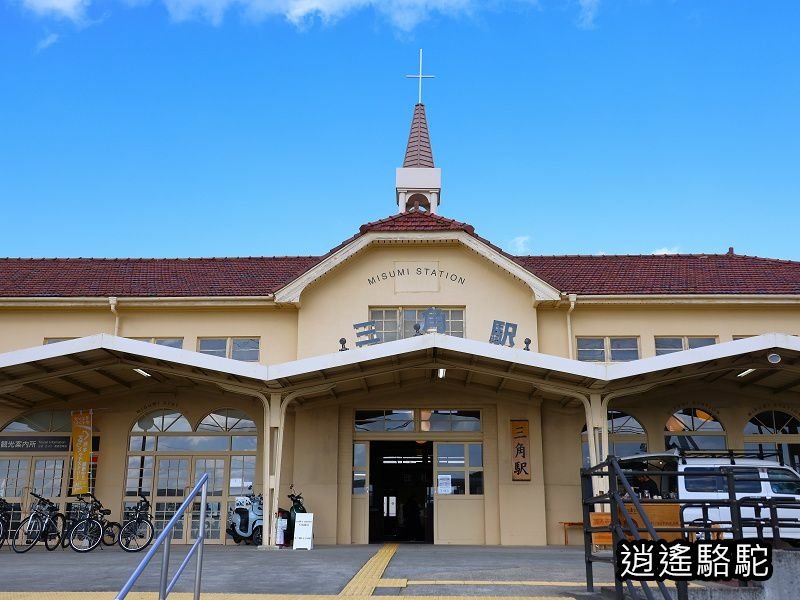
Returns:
point(164, 539)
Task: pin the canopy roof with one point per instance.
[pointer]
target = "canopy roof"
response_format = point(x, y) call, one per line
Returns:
point(92, 367)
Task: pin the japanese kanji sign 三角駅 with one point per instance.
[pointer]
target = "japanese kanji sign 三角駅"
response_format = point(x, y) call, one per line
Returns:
point(81, 451)
point(520, 451)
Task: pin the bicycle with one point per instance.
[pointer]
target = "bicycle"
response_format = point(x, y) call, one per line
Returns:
point(44, 522)
point(87, 533)
point(5, 520)
point(137, 532)
point(77, 512)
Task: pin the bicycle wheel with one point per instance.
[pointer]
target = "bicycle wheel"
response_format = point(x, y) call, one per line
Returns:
point(53, 531)
point(86, 535)
point(27, 534)
point(111, 533)
point(135, 535)
point(3, 532)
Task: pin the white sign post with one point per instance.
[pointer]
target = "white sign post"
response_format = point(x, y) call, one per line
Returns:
point(303, 531)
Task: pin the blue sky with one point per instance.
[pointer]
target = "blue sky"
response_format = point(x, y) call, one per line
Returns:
point(271, 127)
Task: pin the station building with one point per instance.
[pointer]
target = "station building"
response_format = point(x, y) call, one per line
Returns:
point(417, 382)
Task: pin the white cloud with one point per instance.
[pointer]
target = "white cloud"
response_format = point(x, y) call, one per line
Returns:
point(68, 9)
point(520, 244)
point(588, 12)
point(403, 14)
point(665, 250)
point(47, 41)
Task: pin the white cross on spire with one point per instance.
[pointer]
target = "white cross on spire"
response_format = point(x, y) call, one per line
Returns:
point(420, 77)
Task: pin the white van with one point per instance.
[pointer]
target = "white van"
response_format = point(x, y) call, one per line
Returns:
point(703, 480)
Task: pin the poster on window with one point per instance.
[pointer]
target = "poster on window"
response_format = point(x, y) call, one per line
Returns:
point(81, 451)
point(520, 451)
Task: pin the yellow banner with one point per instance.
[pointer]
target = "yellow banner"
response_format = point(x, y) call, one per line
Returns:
point(81, 451)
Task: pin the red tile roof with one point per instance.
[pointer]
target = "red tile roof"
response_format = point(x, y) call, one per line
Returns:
point(147, 277)
point(666, 274)
point(260, 276)
point(418, 150)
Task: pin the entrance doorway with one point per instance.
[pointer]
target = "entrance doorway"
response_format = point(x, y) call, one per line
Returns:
point(175, 476)
point(401, 496)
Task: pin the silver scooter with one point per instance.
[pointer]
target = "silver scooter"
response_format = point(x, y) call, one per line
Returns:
point(246, 519)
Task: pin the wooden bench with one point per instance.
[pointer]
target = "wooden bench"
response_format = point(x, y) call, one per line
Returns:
point(567, 525)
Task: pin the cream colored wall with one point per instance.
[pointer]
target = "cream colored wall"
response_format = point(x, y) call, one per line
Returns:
point(647, 322)
point(316, 469)
point(561, 447)
point(331, 306)
point(27, 328)
point(522, 504)
point(276, 327)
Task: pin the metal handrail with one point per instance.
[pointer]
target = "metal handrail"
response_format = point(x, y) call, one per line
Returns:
point(164, 539)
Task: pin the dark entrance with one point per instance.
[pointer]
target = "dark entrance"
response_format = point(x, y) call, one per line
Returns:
point(401, 500)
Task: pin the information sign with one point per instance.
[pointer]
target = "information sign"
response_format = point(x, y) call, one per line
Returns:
point(303, 531)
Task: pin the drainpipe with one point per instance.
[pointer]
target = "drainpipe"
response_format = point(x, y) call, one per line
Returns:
point(112, 302)
point(573, 298)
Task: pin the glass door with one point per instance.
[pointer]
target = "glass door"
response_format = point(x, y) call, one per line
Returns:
point(172, 483)
point(215, 467)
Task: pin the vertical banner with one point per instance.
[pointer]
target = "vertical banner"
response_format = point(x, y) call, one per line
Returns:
point(520, 451)
point(81, 451)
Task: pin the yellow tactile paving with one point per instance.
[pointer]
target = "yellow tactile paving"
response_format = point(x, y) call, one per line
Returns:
point(401, 583)
point(213, 596)
point(364, 582)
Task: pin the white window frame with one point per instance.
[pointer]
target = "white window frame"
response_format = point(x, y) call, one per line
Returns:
point(229, 341)
point(159, 341)
point(400, 320)
point(685, 342)
point(607, 351)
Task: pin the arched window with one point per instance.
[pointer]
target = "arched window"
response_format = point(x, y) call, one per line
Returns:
point(227, 419)
point(41, 422)
point(166, 455)
point(774, 433)
point(626, 436)
point(694, 429)
point(162, 421)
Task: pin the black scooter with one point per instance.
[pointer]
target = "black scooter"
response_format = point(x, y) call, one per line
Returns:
point(289, 515)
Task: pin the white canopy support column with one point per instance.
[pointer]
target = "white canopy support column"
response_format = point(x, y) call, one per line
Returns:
point(266, 451)
point(284, 404)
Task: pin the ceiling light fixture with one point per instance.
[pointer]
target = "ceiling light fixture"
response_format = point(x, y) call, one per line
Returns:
point(441, 373)
point(774, 358)
point(143, 373)
point(745, 373)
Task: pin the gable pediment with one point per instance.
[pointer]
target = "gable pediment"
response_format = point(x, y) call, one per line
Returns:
point(414, 273)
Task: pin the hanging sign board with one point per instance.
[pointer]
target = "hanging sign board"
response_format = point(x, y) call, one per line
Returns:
point(520, 451)
point(81, 451)
point(303, 531)
point(444, 485)
point(34, 443)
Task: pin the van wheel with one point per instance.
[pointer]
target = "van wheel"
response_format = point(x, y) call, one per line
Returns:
point(257, 536)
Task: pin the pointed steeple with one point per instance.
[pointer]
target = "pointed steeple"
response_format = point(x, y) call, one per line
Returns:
point(418, 151)
point(418, 182)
